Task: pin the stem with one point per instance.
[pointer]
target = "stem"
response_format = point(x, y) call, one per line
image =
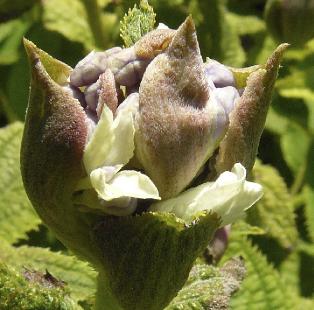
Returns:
point(104, 298)
point(93, 11)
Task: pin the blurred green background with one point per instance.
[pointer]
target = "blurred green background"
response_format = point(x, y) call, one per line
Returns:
point(238, 33)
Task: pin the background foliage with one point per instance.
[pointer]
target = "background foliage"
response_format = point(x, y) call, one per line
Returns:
point(276, 241)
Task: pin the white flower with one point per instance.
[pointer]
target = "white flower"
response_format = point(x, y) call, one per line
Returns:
point(110, 148)
point(229, 196)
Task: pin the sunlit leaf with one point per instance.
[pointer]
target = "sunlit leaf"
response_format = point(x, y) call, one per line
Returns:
point(218, 37)
point(295, 145)
point(246, 24)
point(32, 290)
point(262, 288)
point(17, 216)
point(11, 34)
point(79, 277)
point(69, 18)
point(274, 212)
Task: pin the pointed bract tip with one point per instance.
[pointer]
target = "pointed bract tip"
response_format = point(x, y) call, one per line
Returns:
point(276, 56)
point(188, 25)
point(31, 49)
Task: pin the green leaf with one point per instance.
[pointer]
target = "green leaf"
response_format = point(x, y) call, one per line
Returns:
point(295, 144)
point(136, 23)
point(276, 122)
point(217, 35)
point(11, 34)
point(267, 47)
point(244, 229)
point(17, 216)
point(77, 274)
point(209, 287)
point(32, 291)
point(150, 257)
point(246, 24)
point(274, 212)
point(290, 269)
point(262, 288)
point(69, 18)
point(299, 91)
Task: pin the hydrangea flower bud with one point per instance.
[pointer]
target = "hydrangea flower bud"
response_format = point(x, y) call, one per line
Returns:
point(120, 177)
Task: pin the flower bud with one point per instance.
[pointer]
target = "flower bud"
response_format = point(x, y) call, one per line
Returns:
point(77, 151)
point(179, 123)
point(290, 21)
point(247, 119)
point(54, 139)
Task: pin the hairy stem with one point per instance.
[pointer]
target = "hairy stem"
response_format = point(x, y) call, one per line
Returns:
point(93, 11)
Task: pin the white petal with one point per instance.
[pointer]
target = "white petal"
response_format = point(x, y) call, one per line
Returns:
point(112, 142)
point(162, 26)
point(123, 148)
point(229, 197)
point(89, 200)
point(100, 143)
point(126, 183)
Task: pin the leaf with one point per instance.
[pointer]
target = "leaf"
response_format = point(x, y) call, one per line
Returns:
point(276, 122)
point(262, 288)
point(11, 34)
point(274, 212)
point(305, 93)
point(77, 274)
point(69, 18)
point(295, 144)
point(290, 269)
point(246, 24)
point(242, 228)
point(150, 257)
point(31, 291)
point(209, 287)
point(222, 37)
point(306, 252)
point(136, 23)
point(17, 216)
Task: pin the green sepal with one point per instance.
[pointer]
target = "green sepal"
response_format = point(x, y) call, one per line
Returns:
point(147, 258)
